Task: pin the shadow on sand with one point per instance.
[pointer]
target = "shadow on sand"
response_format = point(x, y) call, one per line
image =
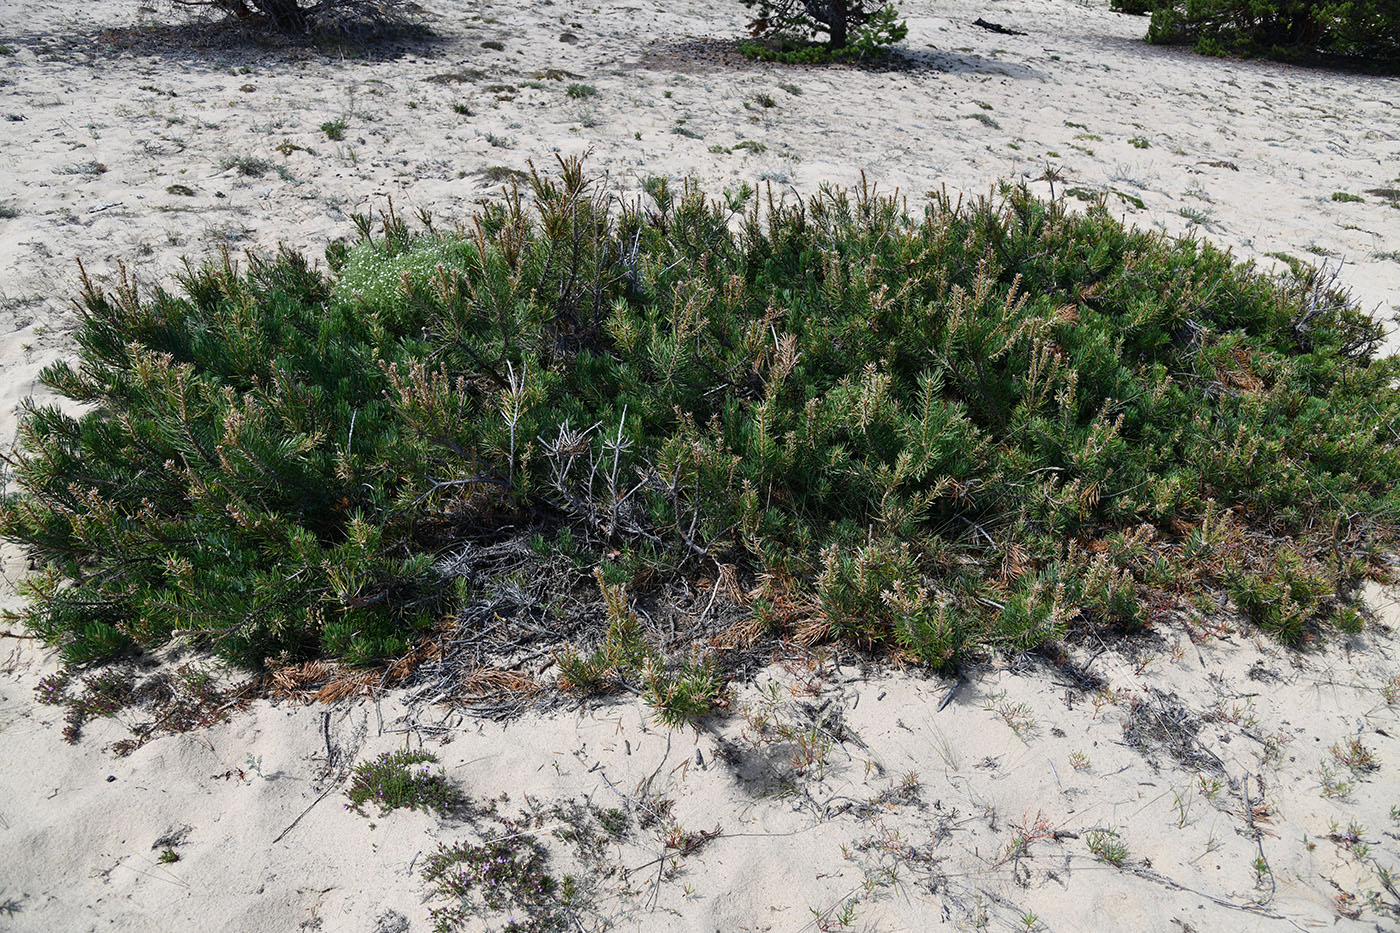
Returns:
point(220, 44)
point(712, 54)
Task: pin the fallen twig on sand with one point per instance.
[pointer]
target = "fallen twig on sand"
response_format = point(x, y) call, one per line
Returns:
point(996, 28)
point(1150, 875)
point(325, 793)
point(1249, 814)
point(952, 692)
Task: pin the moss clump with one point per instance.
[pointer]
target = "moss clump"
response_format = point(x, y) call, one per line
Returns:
point(979, 428)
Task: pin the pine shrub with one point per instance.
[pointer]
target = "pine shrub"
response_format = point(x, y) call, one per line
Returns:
point(360, 19)
point(816, 31)
point(983, 427)
point(1363, 32)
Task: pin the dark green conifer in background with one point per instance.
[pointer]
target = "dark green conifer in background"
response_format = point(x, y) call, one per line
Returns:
point(1362, 32)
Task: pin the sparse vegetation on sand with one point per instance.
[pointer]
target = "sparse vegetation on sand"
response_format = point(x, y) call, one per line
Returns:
point(980, 430)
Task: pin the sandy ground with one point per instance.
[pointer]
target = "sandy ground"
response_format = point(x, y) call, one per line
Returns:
point(838, 797)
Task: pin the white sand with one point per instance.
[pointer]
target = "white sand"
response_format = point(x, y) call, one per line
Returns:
point(78, 852)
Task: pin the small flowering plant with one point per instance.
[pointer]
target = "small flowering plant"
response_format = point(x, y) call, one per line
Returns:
point(400, 779)
point(506, 877)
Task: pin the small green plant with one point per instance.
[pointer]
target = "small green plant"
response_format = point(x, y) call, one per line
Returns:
point(1283, 597)
point(248, 166)
point(1106, 846)
point(91, 167)
point(581, 91)
point(1140, 142)
point(1334, 787)
point(168, 856)
point(392, 782)
point(334, 130)
point(1344, 197)
point(765, 101)
point(1133, 199)
point(1356, 757)
point(679, 693)
point(1181, 802)
point(8, 212)
point(791, 88)
point(688, 692)
point(1029, 830)
point(503, 174)
point(787, 730)
point(833, 919)
point(1350, 838)
point(614, 822)
point(623, 651)
point(1016, 715)
point(1201, 216)
point(462, 109)
point(1209, 787)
